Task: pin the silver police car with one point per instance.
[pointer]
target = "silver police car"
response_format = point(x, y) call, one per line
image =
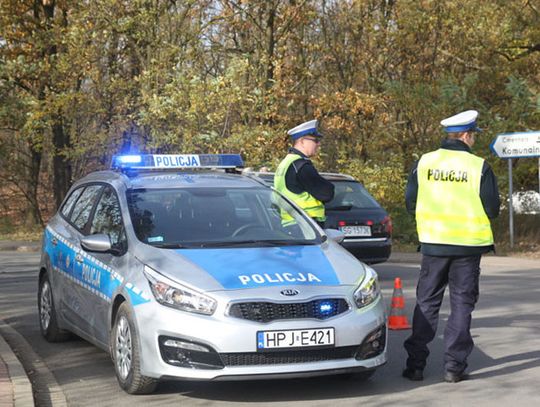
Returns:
point(181, 268)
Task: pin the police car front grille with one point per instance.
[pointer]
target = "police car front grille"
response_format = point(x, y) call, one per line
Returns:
point(269, 311)
point(287, 357)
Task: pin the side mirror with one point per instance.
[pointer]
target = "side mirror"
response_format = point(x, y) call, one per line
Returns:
point(334, 234)
point(96, 243)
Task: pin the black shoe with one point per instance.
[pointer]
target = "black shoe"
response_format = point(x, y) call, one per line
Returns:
point(416, 375)
point(453, 377)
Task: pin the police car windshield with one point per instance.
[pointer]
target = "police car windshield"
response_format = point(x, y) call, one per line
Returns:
point(351, 194)
point(217, 217)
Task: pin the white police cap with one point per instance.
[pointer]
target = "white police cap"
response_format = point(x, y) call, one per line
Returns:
point(304, 129)
point(464, 121)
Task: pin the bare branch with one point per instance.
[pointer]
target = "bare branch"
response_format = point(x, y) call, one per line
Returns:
point(461, 61)
point(534, 9)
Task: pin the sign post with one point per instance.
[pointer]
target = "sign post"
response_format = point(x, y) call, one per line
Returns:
point(516, 145)
point(510, 203)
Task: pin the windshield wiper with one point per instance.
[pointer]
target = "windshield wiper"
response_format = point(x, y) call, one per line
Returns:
point(168, 245)
point(270, 243)
point(292, 242)
point(339, 208)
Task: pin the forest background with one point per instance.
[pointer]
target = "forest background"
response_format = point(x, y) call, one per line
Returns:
point(81, 80)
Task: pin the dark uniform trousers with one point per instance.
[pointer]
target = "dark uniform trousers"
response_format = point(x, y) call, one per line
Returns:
point(461, 274)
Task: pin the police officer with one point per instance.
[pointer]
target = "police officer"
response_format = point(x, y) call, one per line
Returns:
point(297, 178)
point(453, 194)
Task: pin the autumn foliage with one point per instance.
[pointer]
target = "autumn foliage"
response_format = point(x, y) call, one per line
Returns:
point(82, 80)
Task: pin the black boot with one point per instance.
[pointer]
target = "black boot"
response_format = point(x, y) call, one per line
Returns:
point(416, 375)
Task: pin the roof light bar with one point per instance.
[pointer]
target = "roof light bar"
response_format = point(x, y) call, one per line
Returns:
point(129, 159)
point(176, 161)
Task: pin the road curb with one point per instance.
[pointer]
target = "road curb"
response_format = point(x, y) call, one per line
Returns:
point(44, 386)
point(21, 387)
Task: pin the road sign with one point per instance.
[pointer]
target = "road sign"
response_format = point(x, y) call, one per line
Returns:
point(516, 145)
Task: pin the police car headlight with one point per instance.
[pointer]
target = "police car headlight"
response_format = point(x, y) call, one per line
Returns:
point(368, 291)
point(174, 295)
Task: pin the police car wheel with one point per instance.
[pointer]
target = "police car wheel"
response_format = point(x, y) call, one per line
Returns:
point(48, 322)
point(126, 355)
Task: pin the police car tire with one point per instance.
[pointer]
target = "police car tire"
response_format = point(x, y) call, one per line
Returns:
point(134, 383)
point(52, 333)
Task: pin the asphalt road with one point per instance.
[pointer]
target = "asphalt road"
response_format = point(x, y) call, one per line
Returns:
point(505, 365)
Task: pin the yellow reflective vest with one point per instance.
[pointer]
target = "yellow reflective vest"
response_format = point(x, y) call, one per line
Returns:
point(448, 208)
point(311, 205)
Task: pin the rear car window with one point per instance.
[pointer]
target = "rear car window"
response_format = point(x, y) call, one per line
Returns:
point(351, 194)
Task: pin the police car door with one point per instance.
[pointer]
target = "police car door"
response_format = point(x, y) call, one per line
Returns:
point(70, 259)
point(57, 243)
point(101, 271)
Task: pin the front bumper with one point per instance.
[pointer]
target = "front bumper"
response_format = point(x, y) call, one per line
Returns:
point(233, 342)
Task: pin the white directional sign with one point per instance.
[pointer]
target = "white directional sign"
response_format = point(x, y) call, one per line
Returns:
point(515, 145)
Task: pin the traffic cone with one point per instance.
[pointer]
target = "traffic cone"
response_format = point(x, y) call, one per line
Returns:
point(397, 318)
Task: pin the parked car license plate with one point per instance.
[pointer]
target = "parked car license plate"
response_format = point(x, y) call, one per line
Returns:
point(299, 338)
point(356, 230)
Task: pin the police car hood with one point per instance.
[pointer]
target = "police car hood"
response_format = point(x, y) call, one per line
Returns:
point(217, 269)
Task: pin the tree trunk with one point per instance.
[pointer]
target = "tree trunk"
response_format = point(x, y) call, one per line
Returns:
point(270, 45)
point(61, 166)
point(32, 213)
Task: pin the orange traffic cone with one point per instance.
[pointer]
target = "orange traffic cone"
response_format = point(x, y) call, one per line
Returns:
point(397, 318)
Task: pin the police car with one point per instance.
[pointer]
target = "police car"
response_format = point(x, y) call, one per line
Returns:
point(181, 268)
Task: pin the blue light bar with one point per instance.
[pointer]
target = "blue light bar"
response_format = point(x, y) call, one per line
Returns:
point(176, 161)
point(129, 159)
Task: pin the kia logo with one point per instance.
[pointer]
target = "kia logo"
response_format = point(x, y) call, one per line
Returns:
point(289, 292)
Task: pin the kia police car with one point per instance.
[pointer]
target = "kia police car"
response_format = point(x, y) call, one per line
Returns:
point(181, 268)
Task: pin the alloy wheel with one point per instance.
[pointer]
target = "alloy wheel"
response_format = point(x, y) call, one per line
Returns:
point(45, 308)
point(123, 348)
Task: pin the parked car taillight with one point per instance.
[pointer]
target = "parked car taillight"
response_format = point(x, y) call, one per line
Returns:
point(387, 223)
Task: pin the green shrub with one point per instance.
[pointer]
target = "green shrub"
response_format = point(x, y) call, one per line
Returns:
point(526, 232)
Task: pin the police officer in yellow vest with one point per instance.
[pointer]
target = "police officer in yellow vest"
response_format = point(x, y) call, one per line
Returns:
point(297, 178)
point(453, 194)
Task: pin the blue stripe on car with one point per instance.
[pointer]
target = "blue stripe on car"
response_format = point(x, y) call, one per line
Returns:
point(267, 266)
point(91, 274)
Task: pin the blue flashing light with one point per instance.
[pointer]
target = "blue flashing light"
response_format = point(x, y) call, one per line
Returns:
point(176, 161)
point(129, 159)
point(326, 307)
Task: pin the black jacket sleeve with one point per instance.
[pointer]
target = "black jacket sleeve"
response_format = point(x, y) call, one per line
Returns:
point(489, 192)
point(312, 182)
point(411, 192)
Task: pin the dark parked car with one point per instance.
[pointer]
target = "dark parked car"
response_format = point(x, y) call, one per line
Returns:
point(365, 223)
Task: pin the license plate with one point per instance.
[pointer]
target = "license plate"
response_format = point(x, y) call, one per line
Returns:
point(356, 230)
point(299, 338)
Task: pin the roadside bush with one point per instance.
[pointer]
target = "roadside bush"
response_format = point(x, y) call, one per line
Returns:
point(526, 232)
point(385, 182)
point(404, 226)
